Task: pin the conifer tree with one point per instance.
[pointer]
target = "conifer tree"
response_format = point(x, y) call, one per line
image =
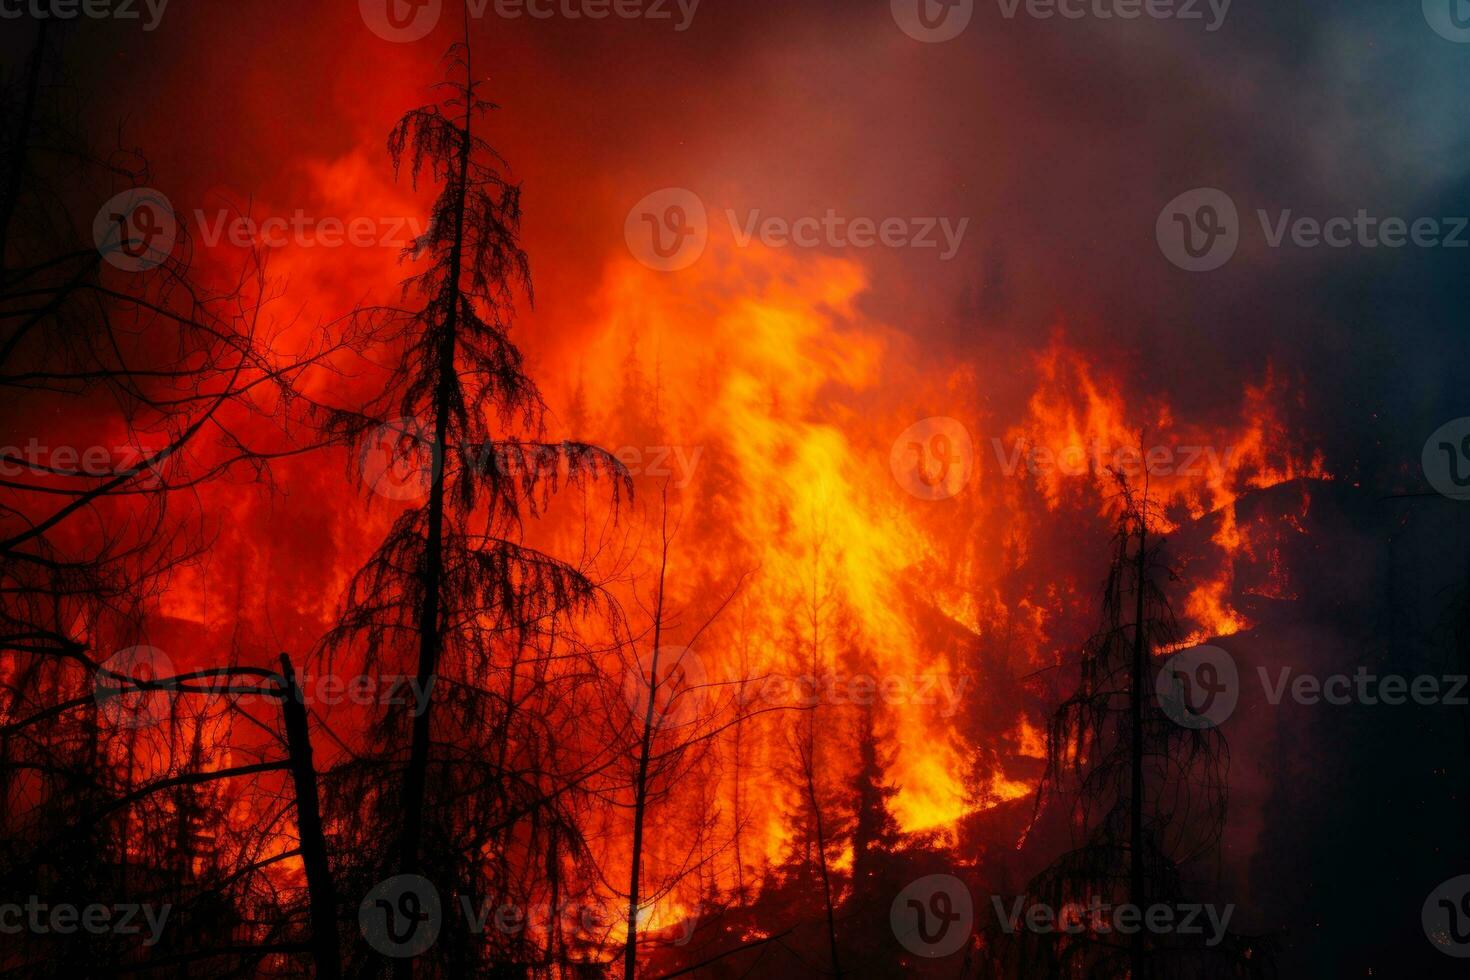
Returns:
point(454, 594)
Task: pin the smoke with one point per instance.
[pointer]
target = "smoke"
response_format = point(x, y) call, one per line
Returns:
point(1056, 142)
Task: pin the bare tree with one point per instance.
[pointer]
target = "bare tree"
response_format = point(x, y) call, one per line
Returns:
point(139, 387)
point(679, 712)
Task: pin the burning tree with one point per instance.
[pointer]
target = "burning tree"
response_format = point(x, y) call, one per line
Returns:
point(1143, 795)
point(475, 782)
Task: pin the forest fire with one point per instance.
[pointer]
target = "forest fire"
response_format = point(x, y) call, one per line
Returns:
point(410, 569)
point(766, 366)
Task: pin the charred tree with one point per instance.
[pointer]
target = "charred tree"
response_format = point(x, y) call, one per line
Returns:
point(645, 750)
point(454, 590)
point(322, 892)
point(1144, 796)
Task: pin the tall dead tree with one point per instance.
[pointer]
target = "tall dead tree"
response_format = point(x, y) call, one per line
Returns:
point(453, 589)
point(679, 711)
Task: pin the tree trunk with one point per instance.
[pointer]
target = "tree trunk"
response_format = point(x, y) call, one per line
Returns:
point(822, 866)
point(321, 891)
point(1140, 672)
point(640, 787)
point(811, 765)
point(415, 778)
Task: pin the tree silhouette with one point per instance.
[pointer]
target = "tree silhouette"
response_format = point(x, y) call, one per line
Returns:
point(679, 711)
point(454, 587)
point(1144, 795)
point(139, 386)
